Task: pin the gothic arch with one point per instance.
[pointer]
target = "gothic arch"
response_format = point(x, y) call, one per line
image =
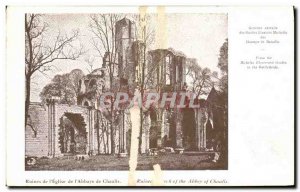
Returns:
point(72, 133)
point(92, 83)
point(86, 103)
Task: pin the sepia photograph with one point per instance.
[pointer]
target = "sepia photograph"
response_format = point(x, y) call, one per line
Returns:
point(113, 91)
point(142, 96)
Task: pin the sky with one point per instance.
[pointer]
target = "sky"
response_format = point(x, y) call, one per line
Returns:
point(197, 35)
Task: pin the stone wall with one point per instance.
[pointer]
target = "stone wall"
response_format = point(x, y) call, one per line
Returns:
point(42, 133)
point(36, 133)
point(59, 112)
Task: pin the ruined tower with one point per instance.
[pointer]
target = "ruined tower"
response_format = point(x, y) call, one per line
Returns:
point(125, 36)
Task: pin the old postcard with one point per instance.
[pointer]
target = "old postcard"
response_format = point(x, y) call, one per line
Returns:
point(150, 96)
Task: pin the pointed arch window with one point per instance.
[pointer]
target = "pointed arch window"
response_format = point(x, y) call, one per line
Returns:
point(168, 69)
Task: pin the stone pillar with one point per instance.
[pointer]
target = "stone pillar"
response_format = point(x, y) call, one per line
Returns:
point(204, 137)
point(53, 139)
point(204, 122)
point(50, 122)
point(56, 151)
point(159, 127)
point(53, 147)
point(126, 128)
point(198, 127)
point(165, 125)
point(87, 148)
point(122, 148)
point(201, 128)
point(122, 132)
point(92, 131)
point(179, 117)
point(201, 144)
point(89, 130)
point(147, 132)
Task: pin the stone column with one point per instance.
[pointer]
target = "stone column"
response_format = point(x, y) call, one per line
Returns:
point(56, 148)
point(52, 125)
point(52, 132)
point(166, 126)
point(204, 120)
point(93, 131)
point(201, 136)
point(126, 128)
point(178, 120)
point(147, 132)
point(159, 127)
point(198, 128)
point(90, 128)
point(122, 132)
point(201, 124)
point(87, 148)
point(50, 121)
point(56, 128)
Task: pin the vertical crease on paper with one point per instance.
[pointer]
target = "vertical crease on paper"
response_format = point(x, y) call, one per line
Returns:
point(161, 35)
point(157, 176)
point(135, 119)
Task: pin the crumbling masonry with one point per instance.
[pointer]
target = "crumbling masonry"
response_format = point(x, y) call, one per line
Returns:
point(57, 129)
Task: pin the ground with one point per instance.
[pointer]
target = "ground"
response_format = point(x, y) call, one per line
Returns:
point(110, 162)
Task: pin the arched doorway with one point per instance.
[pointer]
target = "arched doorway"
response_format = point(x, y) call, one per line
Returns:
point(189, 129)
point(72, 134)
point(172, 128)
point(210, 135)
point(86, 104)
point(153, 129)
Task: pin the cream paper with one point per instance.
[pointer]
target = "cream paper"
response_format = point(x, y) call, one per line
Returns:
point(260, 135)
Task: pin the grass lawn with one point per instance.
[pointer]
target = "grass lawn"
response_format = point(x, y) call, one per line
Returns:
point(110, 162)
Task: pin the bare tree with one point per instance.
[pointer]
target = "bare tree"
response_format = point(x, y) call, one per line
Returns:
point(104, 42)
point(103, 136)
point(201, 78)
point(90, 61)
point(145, 36)
point(103, 28)
point(41, 51)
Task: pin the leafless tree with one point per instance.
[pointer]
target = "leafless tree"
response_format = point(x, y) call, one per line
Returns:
point(74, 78)
point(103, 28)
point(102, 133)
point(145, 35)
point(90, 61)
point(201, 78)
point(41, 51)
